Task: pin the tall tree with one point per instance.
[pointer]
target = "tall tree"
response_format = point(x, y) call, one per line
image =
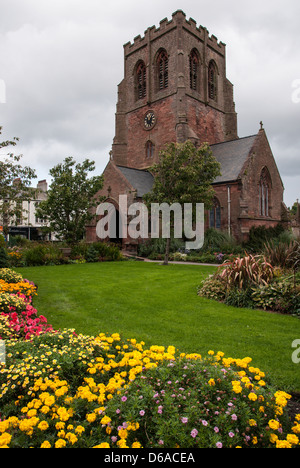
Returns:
point(183, 174)
point(15, 181)
point(71, 197)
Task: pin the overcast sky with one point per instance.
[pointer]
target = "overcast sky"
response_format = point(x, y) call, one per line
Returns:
point(61, 62)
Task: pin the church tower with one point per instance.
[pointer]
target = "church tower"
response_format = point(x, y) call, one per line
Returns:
point(174, 88)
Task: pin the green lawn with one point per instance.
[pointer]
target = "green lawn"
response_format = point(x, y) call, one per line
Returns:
point(159, 305)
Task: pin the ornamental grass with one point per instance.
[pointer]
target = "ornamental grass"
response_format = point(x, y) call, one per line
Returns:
point(60, 389)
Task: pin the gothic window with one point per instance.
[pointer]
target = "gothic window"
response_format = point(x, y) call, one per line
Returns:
point(149, 150)
point(162, 70)
point(194, 70)
point(264, 192)
point(140, 78)
point(212, 81)
point(215, 215)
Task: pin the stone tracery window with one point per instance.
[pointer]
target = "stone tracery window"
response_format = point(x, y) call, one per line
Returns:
point(264, 192)
point(215, 215)
point(162, 70)
point(194, 70)
point(140, 81)
point(212, 81)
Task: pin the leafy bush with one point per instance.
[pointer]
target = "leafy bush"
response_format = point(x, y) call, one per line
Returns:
point(281, 296)
point(4, 263)
point(243, 272)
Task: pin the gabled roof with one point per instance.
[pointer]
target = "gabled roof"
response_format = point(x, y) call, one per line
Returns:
point(232, 156)
point(141, 180)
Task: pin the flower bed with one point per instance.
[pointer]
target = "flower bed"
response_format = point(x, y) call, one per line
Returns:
point(59, 389)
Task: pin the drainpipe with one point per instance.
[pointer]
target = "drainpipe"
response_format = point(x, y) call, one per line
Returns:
point(229, 207)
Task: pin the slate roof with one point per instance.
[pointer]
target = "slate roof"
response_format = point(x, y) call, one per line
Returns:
point(141, 180)
point(232, 155)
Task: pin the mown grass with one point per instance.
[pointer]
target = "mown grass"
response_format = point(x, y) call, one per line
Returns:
point(159, 305)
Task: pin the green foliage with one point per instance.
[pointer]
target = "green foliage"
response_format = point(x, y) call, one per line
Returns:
point(281, 296)
point(184, 174)
point(259, 235)
point(15, 185)
point(71, 199)
point(4, 263)
point(243, 272)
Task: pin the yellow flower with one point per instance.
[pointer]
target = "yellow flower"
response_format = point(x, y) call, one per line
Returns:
point(211, 382)
point(5, 439)
point(136, 445)
point(252, 422)
point(105, 420)
point(46, 444)
point(292, 439)
point(123, 433)
point(103, 445)
point(91, 417)
point(252, 396)
point(43, 426)
point(274, 425)
point(283, 444)
point(79, 429)
point(60, 443)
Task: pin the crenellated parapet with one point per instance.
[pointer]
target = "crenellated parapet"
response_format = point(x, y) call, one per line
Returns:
point(165, 26)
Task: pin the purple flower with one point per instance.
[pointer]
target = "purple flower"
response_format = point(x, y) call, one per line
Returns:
point(194, 433)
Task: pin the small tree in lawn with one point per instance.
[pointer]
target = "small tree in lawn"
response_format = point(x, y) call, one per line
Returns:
point(15, 181)
point(71, 198)
point(184, 174)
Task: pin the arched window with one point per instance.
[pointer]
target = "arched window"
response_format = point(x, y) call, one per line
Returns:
point(162, 70)
point(212, 81)
point(215, 215)
point(264, 192)
point(194, 70)
point(149, 150)
point(140, 81)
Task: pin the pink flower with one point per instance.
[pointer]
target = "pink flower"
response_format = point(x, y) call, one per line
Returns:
point(231, 434)
point(124, 398)
point(194, 433)
point(219, 445)
point(142, 412)
point(216, 429)
point(184, 420)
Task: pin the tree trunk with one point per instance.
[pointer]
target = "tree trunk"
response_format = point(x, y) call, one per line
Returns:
point(166, 260)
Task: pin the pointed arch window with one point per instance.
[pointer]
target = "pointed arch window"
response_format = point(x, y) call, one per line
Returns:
point(149, 149)
point(215, 215)
point(140, 78)
point(162, 70)
point(194, 70)
point(212, 81)
point(264, 192)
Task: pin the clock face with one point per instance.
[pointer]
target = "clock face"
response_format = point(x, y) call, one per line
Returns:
point(149, 120)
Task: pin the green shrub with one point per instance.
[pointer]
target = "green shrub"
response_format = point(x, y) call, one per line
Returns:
point(239, 298)
point(4, 262)
point(243, 272)
point(281, 296)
